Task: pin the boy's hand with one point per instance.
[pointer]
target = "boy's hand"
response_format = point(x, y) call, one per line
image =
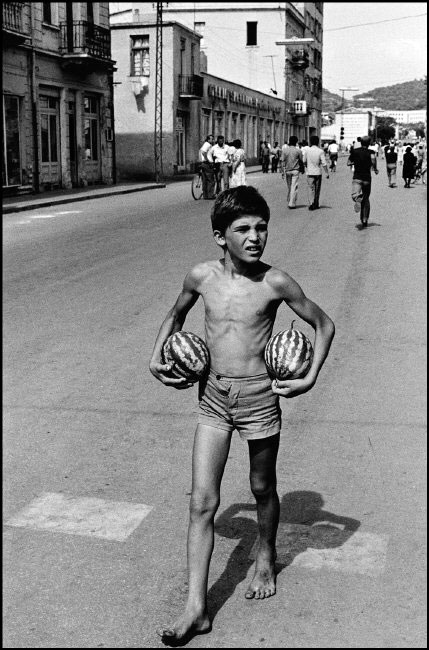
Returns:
point(291, 387)
point(162, 372)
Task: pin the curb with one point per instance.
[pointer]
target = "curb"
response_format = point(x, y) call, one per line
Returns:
point(44, 203)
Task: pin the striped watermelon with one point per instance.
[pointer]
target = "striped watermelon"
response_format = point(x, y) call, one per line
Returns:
point(288, 354)
point(187, 354)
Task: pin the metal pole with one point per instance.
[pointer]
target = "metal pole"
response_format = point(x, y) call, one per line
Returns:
point(158, 95)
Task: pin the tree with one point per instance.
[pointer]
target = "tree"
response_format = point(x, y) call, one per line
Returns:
point(384, 129)
point(419, 128)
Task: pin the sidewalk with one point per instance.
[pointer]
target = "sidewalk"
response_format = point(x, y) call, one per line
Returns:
point(31, 201)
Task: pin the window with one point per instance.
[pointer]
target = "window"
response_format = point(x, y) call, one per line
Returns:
point(252, 38)
point(90, 12)
point(140, 56)
point(49, 128)
point(200, 29)
point(47, 13)
point(50, 13)
point(91, 128)
point(192, 58)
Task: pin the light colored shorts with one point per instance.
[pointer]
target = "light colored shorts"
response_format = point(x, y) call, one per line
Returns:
point(244, 403)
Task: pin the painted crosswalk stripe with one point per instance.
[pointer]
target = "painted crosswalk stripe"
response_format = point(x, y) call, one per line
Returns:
point(92, 517)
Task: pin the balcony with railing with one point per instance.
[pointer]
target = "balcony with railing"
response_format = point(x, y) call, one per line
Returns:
point(82, 40)
point(13, 21)
point(191, 86)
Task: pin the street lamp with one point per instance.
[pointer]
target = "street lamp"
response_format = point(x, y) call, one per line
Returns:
point(343, 90)
point(293, 40)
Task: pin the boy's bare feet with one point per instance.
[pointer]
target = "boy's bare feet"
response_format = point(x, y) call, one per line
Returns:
point(263, 584)
point(186, 627)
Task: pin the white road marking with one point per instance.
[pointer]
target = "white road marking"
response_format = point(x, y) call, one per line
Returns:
point(69, 212)
point(112, 520)
point(362, 553)
point(328, 545)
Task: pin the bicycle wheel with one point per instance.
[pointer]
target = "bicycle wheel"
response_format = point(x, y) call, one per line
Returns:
point(197, 187)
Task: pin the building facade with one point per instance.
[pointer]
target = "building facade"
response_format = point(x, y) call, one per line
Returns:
point(58, 126)
point(403, 117)
point(354, 122)
point(194, 102)
point(238, 43)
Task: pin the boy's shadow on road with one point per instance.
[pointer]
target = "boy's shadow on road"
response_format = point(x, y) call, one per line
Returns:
point(303, 524)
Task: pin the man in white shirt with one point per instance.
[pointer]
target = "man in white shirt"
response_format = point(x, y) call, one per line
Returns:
point(207, 168)
point(221, 158)
point(314, 160)
point(333, 155)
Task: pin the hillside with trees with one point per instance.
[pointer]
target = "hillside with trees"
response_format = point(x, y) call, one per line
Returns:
point(407, 96)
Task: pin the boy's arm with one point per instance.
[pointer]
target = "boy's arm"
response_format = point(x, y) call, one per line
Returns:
point(324, 329)
point(172, 323)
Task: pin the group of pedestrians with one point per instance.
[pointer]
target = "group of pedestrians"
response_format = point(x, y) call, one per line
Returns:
point(309, 159)
point(223, 165)
point(413, 162)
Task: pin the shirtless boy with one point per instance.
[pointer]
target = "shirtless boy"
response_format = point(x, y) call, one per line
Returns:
point(241, 295)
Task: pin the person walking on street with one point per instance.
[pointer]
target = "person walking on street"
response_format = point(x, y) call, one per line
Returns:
point(292, 164)
point(220, 153)
point(275, 152)
point(238, 176)
point(236, 392)
point(314, 160)
point(333, 155)
point(409, 166)
point(363, 160)
point(400, 152)
point(265, 152)
point(391, 163)
point(207, 168)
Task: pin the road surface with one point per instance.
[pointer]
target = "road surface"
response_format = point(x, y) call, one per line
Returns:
point(97, 453)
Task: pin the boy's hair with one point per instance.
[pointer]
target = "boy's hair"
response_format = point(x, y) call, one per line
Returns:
point(365, 141)
point(293, 140)
point(314, 140)
point(235, 202)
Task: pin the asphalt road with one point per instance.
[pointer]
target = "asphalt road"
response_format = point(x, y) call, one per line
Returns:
point(97, 453)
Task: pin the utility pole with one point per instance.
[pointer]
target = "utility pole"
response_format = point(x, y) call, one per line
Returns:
point(158, 95)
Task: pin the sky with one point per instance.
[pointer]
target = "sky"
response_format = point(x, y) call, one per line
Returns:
point(370, 56)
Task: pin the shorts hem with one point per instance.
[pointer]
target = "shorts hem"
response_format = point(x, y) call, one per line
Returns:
point(211, 422)
point(259, 435)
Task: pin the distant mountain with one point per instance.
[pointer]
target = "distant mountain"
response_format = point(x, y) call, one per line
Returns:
point(407, 96)
point(331, 102)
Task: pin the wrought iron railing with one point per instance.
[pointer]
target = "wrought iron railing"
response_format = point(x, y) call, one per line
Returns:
point(12, 16)
point(83, 37)
point(191, 85)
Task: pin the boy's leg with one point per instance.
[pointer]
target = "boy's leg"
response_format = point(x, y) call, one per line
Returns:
point(211, 447)
point(263, 483)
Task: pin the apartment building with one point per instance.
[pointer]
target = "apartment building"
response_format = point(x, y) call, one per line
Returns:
point(238, 45)
point(58, 114)
point(194, 102)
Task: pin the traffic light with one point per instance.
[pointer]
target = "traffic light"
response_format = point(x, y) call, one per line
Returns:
point(342, 133)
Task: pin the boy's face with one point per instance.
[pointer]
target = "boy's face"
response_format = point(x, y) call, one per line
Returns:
point(245, 238)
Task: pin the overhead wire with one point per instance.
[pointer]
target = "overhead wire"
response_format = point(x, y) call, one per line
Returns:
point(377, 22)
